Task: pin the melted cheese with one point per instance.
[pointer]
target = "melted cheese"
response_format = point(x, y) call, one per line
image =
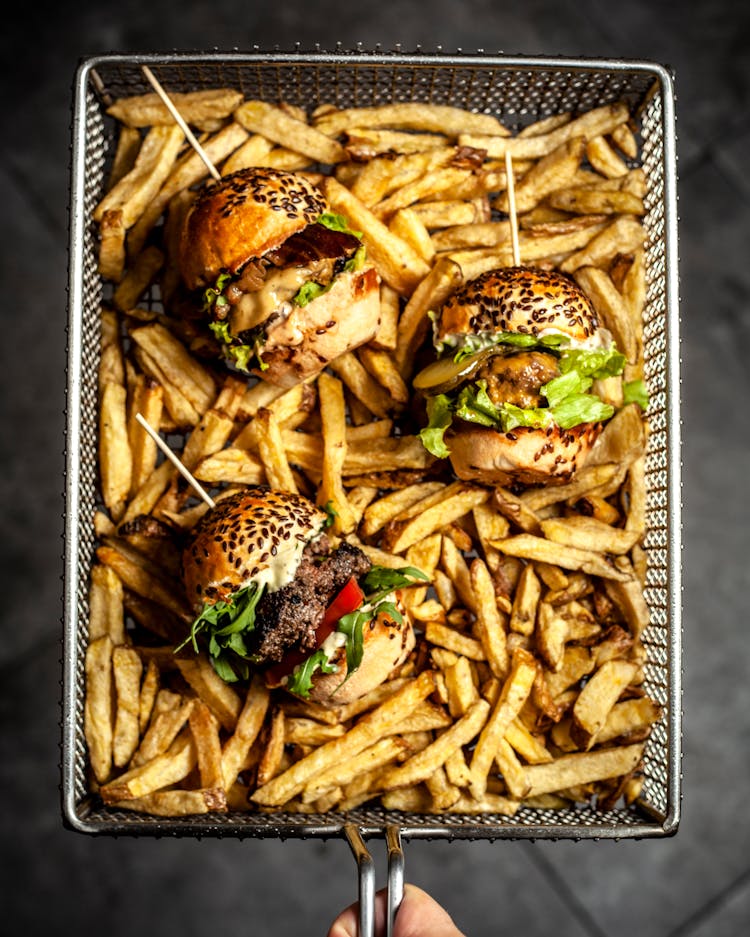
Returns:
point(280, 287)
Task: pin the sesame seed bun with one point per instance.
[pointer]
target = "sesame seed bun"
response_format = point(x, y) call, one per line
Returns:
point(524, 456)
point(242, 217)
point(256, 531)
point(386, 645)
point(518, 299)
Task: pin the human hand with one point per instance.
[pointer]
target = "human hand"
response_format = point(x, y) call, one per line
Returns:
point(418, 916)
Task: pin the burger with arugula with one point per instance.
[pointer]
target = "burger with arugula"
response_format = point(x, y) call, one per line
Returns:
point(284, 284)
point(512, 396)
point(271, 592)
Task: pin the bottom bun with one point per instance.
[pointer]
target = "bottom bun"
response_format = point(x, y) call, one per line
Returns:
point(387, 644)
point(524, 456)
point(342, 319)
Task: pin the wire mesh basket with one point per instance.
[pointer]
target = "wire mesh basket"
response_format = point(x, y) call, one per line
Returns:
point(518, 91)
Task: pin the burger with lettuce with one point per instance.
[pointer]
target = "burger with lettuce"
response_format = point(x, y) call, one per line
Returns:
point(512, 396)
point(283, 282)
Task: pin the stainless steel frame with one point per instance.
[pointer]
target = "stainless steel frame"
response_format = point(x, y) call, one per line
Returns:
point(519, 90)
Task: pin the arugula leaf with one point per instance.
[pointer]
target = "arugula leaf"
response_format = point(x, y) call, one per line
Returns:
point(223, 627)
point(300, 681)
point(385, 577)
point(331, 514)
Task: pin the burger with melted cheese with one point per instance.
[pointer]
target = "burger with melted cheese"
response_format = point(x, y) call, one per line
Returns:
point(512, 396)
point(286, 285)
point(272, 592)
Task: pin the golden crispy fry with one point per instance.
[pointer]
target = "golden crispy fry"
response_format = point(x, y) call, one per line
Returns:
point(106, 613)
point(538, 548)
point(115, 456)
point(147, 110)
point(163, 771)
point(245, 730)
point(135, 190)
point(397, 263)
point(205, 731)
point(434, 118)
point(490, 623)
point(516, 689)
point(127, 669)
point(443, 279)
point(583, 768)
point(371, 727)
point(112, 252)
point(600, 120)
point(422, 765)
point(98, 709)
point(224, 702)
point(277, 125)
point(551, 173)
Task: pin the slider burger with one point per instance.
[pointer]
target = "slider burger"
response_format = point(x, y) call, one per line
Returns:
point(271, 592)
point(286, 286)
point(511, 397)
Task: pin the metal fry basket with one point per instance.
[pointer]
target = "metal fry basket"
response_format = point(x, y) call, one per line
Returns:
point(519, 91)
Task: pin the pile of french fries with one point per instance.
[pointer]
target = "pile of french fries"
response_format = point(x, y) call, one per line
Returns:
point(526, 685)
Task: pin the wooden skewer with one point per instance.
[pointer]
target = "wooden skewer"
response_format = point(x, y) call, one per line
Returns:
point(175, 461)
point(181, 121)
point(512, 210)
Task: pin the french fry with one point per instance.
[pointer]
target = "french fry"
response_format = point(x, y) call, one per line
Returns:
point(516, 689)
point(397, 263)
point(169, 717)
point(273, 750)
point(106, 612)
point(161, 772)
point(205, 731)
point(539, 549)
point(277, 125)
point(551, 173)
point(195, 107)
point(422, 765)
point(582, 768)
point(272, 453)
point(600, 120)
point(372, 726)
point(434, 118)
point(333, 420)
point(127, 669)
point(224, 702)
point(112, 251)
point(461, 499)
point(98, 708)
point(135, 190)
point(490, 625)
point(246, 729)
point(115, 456)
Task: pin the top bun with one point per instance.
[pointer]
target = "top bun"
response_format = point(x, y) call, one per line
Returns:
point(254, 533)
point(241, 217)
point(518, 299)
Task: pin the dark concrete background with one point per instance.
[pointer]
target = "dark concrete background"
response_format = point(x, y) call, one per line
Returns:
point(693, 885)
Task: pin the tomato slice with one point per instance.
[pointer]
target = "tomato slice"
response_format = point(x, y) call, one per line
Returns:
point(345, 601)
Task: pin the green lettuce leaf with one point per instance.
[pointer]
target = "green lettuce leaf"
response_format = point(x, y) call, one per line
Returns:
point(581, 408)
point(335, 222)
point(635, 392)
point(439, 418)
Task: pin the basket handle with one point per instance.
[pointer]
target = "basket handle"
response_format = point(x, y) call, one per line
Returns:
point(366, 872)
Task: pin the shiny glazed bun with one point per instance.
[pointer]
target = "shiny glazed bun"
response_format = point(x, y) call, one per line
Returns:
point(518, 299)
point(523, 455)
point(253, 532)
point(241, 217)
